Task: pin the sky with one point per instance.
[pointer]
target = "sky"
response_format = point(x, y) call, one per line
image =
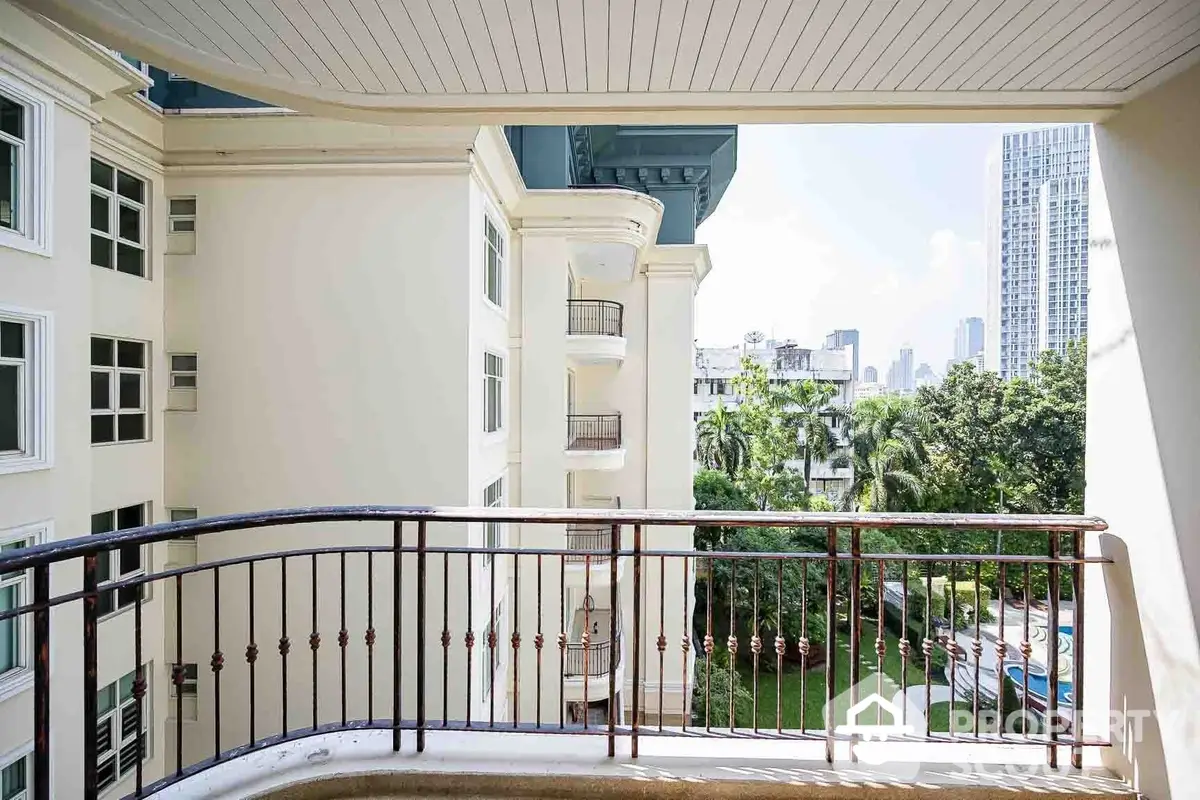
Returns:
point(875, 227)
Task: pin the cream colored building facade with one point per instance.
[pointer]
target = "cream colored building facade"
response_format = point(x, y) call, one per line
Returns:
point(309, 311)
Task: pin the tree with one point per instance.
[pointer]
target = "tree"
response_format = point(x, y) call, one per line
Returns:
point(721, 441)
point(887, 452)
point(766, 476)
point(808, 408)
point(713, 490)
point(713, 683)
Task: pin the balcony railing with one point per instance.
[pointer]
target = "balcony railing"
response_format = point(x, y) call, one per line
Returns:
point(595, 318)
point(590, 538)
point(592, 660)
point(375, 613)
point(593, 431)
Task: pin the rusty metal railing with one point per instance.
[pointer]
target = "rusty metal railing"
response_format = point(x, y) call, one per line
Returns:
point(389, 591)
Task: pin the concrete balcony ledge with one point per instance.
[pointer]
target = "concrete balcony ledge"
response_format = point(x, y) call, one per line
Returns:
point(584, 349)
point(361, 764)
point(607, 460)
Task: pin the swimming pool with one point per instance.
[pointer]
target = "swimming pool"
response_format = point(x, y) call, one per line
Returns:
point(1039, 683)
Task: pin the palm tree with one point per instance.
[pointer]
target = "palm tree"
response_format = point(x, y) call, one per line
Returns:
point(721, 442)
point(886, 452)
point(809, 408)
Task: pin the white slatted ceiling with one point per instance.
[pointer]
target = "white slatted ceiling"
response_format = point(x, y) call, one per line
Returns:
point(537, 46)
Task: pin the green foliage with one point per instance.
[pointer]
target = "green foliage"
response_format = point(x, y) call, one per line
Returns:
point(716, 681)
point(715, 491)
point(887, 452)
point(721, 440)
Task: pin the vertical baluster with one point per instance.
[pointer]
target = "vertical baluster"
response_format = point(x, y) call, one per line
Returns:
point(398, 632)
point(314, 642)
point(369, 637)
point(343, 634)
point(732, 641)
point(880, 641)
point(445, 640)
point(780, 647)
point(613, 645)
point(91, 601)
point(421, 545)
point(586, 639)
point(661, 642)
point(1026, 652)
point(708, 648)
point(977, 651)
point(516, 641)
point(830, 636)
point(539, 642)
point(217, 663)
point(252, 647)
point(1001, 655)
point(41, 683)
point(803, 645)
point(1054, 591)
point(562, 639)
point(904, 645)
point(491, 642)
point(686, 644)
point(469, 636)
point(855, 623)
point(951, 644)
point(139, 689)
point(1077, 551)
point(177, 675)
point(755, 647)
point(927, 643)
point(637, 634)
point(285, 646)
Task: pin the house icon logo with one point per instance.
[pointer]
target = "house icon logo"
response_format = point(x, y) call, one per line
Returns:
point(881, 708)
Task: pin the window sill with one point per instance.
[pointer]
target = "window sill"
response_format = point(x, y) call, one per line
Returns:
point(14, 682)
point(16, 240)
point(128, 441)
point(10, 465)
point(499, 310)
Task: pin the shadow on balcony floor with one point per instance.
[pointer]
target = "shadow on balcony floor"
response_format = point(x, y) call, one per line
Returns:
point(488, 765)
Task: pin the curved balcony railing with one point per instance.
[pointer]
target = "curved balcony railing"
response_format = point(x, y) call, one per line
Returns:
point(593, 431)
point(589, 538)
point(378, 614)
point(595, 318)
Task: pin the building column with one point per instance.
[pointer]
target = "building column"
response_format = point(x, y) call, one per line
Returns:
point(679, 213)
point(673, 275)
point(1143, 438)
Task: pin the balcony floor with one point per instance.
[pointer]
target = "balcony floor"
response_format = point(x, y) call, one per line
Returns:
point(361, 764)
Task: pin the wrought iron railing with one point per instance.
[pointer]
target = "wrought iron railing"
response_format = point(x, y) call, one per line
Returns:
point(595, 318)
point(389, 594)
point(591, 660)
point(593, 431)
point(588, 538)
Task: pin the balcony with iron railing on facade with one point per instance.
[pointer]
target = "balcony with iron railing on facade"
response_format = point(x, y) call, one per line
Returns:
point(595, 331)
point(390, 647)
point(594, 442)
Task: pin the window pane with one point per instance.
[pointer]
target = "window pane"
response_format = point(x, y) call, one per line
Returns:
point(183, 363)
point(131, 427)
point(183, 381)
point(101, 388)
point(131, 260)
point(102, 174)
point(104, 521)
point(129, 186)
point(10, 184)
point(13, 781)
point(100, 213)
point(131, 354)
point(181, 514)
point(102, 255)
point(10, 408)
point(131, 391)
point(131, 516)
point(102, 352)
point(10, 634)
point(103, 428)
point(129, 223)
point(103, 570)
point(12, 340)
point(12, 118)
point(183, 206)
point(183, 226)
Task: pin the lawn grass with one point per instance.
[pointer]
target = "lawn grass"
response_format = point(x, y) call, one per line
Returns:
point(813, 690)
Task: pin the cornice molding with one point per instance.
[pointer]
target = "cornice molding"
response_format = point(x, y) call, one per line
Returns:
point(305, 168)
point(677, 261)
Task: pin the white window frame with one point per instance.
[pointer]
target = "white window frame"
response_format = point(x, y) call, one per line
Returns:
point(32, 232)
point(113, 560)
point(20, 677)
point(37, 448)
point(493, 418)
point(22, 753)
point(495, 243)
point(114, 719)
point(184, 373)
point(190, 690)
point(490, 666)
point(173, 217)
point(115, 371)
point(117, 201)
point(493, 532)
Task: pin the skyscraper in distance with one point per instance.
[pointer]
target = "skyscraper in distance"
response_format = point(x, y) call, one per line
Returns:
point(968, 338)
point(870, 375)
point(842, 338)
point(1037, 240)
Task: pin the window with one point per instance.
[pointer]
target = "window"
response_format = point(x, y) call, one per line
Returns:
point(182, 515)
point(183, 371)
point(123, 562)
point(493, 497)
point(120, 393)
point(491, 658)
point(16, 589)
point(190, 681)
point(15, 777)
point(24, 402)
point(117, 745)
point(494, 271)
point(25, 131)
point(118, 219)
point(182, 215)
point(493, 392)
